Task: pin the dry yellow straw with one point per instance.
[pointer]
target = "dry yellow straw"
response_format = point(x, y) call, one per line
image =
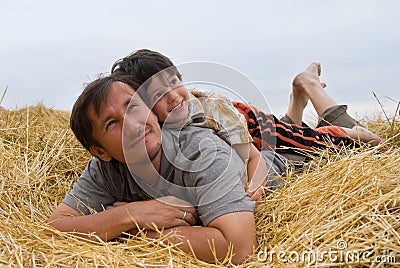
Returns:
point(346, 202)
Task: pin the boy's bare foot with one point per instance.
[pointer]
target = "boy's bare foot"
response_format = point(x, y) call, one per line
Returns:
point(306, 80)
point(308, 83)
point(302, 84)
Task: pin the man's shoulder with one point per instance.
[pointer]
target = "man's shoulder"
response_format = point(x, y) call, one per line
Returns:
point(100, 169)
point(95, 162)
point(192, 133)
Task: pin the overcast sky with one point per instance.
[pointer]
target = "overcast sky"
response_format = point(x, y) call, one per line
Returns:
point(49, 49)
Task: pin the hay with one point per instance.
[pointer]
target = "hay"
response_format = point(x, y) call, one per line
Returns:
point(342, 202)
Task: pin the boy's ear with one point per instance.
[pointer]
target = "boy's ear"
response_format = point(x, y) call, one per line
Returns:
point(100, 153)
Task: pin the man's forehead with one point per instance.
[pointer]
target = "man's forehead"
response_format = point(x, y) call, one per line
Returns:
point(120, 91)
point(117, 91)
point(118, 85)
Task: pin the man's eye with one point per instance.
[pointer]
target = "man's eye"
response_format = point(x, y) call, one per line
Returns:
point(109, 124)
point(130, 108)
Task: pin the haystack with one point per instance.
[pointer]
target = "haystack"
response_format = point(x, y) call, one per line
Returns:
point(343, 208)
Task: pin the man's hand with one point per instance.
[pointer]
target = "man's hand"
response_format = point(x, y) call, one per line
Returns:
point(164, 212)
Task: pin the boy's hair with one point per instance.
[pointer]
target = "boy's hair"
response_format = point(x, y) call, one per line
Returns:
point(95, 92)
point(143, 64)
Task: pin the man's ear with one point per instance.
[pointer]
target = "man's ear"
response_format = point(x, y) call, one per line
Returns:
point(100, 153)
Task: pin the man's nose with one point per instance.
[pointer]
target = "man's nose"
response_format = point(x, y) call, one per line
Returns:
point(130, 126)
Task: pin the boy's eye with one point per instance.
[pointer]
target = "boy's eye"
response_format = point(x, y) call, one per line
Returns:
point(157, 96)
point(174, 81)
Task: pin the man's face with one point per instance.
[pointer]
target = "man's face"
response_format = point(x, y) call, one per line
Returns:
point(125, 122)
point(168, 97)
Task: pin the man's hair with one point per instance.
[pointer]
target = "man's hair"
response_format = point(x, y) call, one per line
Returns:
point(143, 64)
point(95, 92)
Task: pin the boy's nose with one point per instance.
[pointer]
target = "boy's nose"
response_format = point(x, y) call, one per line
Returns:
point(171, 96)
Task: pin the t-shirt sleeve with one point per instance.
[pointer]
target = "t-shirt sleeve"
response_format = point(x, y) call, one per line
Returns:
point(89, 193)
point(221, 116)
point(219, 186)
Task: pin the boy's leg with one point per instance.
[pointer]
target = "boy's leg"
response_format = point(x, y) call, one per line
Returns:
point(337, 116)
point(289, 120)
point(297, 104)
point(307, 85)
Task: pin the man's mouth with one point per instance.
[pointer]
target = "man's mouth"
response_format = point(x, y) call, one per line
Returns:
point(138, 139)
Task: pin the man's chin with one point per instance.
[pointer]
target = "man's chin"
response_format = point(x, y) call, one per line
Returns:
point(152, 154)
point(134, 157)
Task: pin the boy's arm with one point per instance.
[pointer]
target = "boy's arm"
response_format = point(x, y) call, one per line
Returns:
point(256, 169)
point(109, 224)
point(236, 229)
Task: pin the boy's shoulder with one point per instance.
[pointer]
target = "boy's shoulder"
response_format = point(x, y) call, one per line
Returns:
point(198, 93)
point(209, 99)
point(209, 94)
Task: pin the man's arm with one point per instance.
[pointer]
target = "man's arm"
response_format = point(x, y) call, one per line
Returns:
point(236, 229)
point(111, 223)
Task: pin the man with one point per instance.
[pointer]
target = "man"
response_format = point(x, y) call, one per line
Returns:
point(101, 117)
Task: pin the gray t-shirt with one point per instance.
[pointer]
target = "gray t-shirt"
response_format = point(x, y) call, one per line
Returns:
point(204, 170)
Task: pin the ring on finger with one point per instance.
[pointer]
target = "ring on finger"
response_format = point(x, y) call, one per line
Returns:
point(184, 215)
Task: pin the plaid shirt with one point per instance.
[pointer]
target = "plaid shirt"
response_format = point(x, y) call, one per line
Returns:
point(210, 110)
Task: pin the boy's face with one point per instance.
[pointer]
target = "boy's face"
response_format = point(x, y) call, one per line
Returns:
point(168, 97)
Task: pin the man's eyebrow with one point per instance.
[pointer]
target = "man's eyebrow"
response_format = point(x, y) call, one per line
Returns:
point(130, 100)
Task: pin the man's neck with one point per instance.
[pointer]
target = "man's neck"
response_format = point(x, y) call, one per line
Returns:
point(157, 160)
point(148, 170)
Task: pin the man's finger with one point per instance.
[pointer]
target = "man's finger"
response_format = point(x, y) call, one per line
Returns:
point(190, 210)
point(190, 219)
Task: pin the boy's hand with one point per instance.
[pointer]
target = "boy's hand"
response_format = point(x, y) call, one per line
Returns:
point(255, 195)
point(254, 189)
